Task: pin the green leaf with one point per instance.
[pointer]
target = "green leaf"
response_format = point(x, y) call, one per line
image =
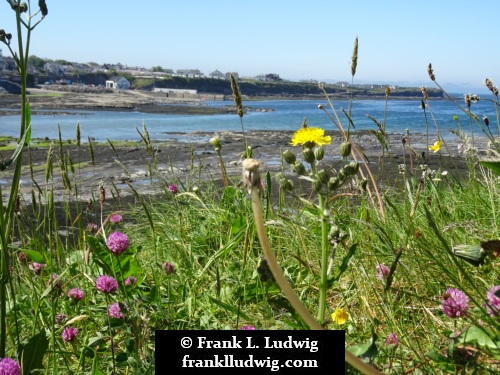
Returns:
point(345, 261)
point(31, 352)
point(4, 165)
point(492, 164)
point(479, 335)
point(35, 256)
point(368, 349)
point(95, 366)
point(441, 361)
point(230, 308)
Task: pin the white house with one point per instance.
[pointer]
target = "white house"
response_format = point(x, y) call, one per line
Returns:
point(217, 75)
point(120, 83)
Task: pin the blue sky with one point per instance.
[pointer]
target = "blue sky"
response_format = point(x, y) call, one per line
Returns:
point(295, 39)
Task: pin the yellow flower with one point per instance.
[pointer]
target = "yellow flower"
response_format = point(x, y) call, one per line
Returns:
point(340, 316)
point(437, 146)
point(310, 137)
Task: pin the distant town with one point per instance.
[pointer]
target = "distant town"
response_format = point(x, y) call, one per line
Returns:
point(122, 77)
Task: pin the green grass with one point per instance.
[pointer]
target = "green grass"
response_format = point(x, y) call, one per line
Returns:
point(209, 236)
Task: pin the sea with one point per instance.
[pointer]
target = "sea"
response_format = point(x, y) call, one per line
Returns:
point(276, 115)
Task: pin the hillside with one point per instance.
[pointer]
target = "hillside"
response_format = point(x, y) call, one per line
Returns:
point(281, 88)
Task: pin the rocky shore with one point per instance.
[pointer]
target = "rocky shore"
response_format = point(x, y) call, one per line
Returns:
point(190, 156)
point(192, 160)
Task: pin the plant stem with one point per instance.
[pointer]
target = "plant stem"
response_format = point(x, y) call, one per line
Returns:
point(252, 182)
point(324, 261)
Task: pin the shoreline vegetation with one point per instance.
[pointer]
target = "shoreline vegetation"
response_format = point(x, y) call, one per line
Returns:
point(390, 237)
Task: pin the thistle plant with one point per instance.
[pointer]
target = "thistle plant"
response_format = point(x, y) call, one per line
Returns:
point(252, 183)
point(325, 182)
point(27, 18)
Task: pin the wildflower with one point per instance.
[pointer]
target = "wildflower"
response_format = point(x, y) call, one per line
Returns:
point(444, 173)
point(117, 242)
point(215, 141)
point(69, 334)
point(173, 189)
point(437, 145)
point(309, 137)
point(115, 218)
point(76, 294)
point(392, 339)
point(92, 228)
point(115, 310)
point(382, 271)
point(9, 367)
point(168, 268)
point(36, 267)
point(248, 328)
point(131, 280)
point(493, 305)
point(455, 303)
point(340, 316)
point(60, 318)
point(402, 168)
point(106, 284)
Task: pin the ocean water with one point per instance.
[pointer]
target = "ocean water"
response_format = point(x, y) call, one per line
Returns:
point(286, 115)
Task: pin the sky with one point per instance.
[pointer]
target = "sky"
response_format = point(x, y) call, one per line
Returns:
point(299, 40)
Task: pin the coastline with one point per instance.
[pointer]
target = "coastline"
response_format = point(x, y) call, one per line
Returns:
point(175, 158)
point(195, 161)
point(50, 102)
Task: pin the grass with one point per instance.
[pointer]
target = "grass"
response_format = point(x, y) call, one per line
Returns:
point(209, 237)
point(405, 268)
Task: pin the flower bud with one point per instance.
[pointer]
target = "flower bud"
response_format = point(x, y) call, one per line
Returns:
point(334, 233)
point(349, 170)
point(299, 168)
point(319, 153)
point(289, 157)
point(317, 185)
point(215, 141)
point(342, 174)
point(333, 183)
point(308, 155)
point(345, 149)
point(288, 186)
point(355, 165)
point(323, 176)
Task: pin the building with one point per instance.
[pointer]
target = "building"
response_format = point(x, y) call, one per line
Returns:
point(120, 83)
point(216, 74)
